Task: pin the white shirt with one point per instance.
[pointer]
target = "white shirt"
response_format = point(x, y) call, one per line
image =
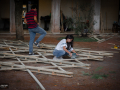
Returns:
point(61, 44)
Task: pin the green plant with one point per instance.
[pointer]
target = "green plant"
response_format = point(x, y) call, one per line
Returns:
point(68, 21)
point(99, 76)
point(18, 81)
point(112, 71)
point(98, 68)
point(96, 75)
point(83, 17)
point(86, 74)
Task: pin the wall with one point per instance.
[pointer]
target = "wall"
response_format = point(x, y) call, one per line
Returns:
point(109, 8)
point(4, 8)
point(65, 7)
point(44, 10)
point(67, 4)
point(4, 13)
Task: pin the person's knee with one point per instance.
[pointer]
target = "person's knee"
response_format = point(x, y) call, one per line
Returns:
point(54, 53)
point(63, 52)
point(45, 33)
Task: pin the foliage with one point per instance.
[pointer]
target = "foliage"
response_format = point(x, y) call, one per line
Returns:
point(98, 68)
point(112, 72)
point(68, 21)
point(83, 17)
point(99, 76)
point(96, 75)
point(86, 74)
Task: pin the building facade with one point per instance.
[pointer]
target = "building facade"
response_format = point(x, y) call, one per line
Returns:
point(49, 14)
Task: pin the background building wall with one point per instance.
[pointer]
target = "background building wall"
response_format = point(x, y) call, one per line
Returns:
point(67, 4)
point(4, 9)
point(109, 12)
point(44, 10)
point(65, 7)
point(4, 15)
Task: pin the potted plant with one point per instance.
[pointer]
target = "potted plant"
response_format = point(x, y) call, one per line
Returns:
point(68, 21)
point(83, 18)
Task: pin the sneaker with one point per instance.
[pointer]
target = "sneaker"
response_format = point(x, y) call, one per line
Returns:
point(55, 58)
point(35, 43)
point(60, 57)
point(31, 54)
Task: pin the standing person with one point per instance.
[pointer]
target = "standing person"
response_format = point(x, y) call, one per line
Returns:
point(32, 22)
point(64, 47)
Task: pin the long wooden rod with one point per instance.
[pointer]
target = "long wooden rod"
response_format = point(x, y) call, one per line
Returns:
point(38, 82)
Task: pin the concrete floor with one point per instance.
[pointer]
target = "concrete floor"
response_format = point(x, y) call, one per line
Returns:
point(67, 32)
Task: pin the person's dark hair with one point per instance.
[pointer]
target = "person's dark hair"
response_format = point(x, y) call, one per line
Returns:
point(33, 7)
point(69, 44)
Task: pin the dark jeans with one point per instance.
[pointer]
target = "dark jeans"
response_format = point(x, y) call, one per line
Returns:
point(33, 32)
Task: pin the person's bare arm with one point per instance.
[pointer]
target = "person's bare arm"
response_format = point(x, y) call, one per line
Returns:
point(67, 51)
point(35, 19)
point(25, 21)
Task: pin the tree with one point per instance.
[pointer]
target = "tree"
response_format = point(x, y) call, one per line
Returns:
point(18, 20)
point(83, 17)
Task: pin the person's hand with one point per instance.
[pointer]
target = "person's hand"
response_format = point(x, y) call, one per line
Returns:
point(70, 54)
point(77, 54)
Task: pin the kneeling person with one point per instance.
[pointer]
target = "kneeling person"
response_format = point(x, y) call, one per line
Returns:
point(64, 47)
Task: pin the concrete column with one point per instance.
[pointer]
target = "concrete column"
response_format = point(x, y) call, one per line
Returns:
point(97, 7)
point(55, 16)
point(12, 16)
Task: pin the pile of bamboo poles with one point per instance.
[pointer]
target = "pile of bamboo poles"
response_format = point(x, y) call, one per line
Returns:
point(103, 37)
point(17, 53)
point(10, 49)
point(54, 67)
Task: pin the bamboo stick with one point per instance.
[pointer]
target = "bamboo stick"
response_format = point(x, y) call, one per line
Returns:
point(41, 86)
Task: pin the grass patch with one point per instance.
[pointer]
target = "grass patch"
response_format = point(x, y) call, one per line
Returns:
point(86, 74)
point(98, 68)
point(99, 76)
point(95, 75)
point(112, 72)
point(81, 39)
point(18, 81)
